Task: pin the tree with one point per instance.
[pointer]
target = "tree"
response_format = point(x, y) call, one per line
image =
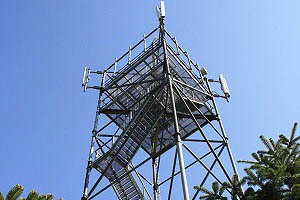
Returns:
point(276, 169)
point(273, 174)
point(16, 192)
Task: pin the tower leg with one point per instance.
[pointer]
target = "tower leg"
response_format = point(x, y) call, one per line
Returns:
point(155, 179)
point(182, 168)
point(224, 134)
point(94, 132)
point(88, 171)
point(177, 133)
point(222, 130)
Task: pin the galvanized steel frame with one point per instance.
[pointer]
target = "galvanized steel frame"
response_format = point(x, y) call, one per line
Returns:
point(173, 89)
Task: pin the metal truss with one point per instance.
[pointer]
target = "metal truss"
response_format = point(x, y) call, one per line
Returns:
point(159, 101)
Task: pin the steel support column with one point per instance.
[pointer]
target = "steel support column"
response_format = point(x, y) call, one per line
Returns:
point(222, 130)
point(94, 132)
point(155, 178)
point(176, 126)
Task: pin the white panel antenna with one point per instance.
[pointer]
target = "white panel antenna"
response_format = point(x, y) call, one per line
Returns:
point(224, 86)
point(160, 11)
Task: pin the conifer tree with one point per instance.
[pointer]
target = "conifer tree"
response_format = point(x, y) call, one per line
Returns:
point(272, 174)
point(16, 192)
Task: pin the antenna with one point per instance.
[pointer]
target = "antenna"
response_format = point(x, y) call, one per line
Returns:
point(224, 86)
point(204, 71)
point(161, 11)
point(86, 77)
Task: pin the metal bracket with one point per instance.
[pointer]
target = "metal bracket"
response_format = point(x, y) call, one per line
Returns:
point(226, 92)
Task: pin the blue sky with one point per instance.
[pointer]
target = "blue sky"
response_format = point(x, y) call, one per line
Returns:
point(46, 119)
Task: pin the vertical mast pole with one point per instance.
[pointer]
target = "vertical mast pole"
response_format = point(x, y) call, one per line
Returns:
point(223, 132)
point(176, 126)
point(222, 129)
point(94, 134)
point(155, 167)
point(155, 178)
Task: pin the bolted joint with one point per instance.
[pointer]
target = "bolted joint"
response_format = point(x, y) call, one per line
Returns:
point(226, 140)
point(155, 186)
point(94, 132)
point(89, 166)
point(178, 133)
point(102, 89)
point(168, 74)
point(210, 97)
point(84, 197)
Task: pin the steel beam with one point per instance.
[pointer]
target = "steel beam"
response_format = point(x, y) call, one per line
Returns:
point(176, 126)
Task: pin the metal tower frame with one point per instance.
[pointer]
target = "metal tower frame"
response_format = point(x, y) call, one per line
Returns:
point(157, 101)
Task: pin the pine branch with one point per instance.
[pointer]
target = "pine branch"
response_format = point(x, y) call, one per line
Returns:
point(272, 143)
point(15, 193)
point(202, 189)
point(33, 195)
point(266, 143)
point(215, 187)
point(49, 197)
point(293, 133)
point(247, 162)
point(296, 139)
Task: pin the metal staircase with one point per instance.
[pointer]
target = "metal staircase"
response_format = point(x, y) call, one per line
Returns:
point(124, 185)
point(114, 163)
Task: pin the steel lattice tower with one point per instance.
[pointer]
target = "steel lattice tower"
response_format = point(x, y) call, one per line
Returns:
point(157, 103)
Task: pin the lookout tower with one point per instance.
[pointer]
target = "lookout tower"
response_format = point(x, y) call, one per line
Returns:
point(154, 101)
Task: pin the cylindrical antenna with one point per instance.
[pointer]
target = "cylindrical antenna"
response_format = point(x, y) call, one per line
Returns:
point(84, 74)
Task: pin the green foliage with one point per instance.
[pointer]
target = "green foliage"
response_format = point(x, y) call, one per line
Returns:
point(235, 187)
point(15, 193)
point(1, 196)
point(33, 195)
point(216, 192)
point(272, 174)
point(276, 170)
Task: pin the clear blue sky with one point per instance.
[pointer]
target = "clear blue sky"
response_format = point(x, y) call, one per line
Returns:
point(46, 119)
